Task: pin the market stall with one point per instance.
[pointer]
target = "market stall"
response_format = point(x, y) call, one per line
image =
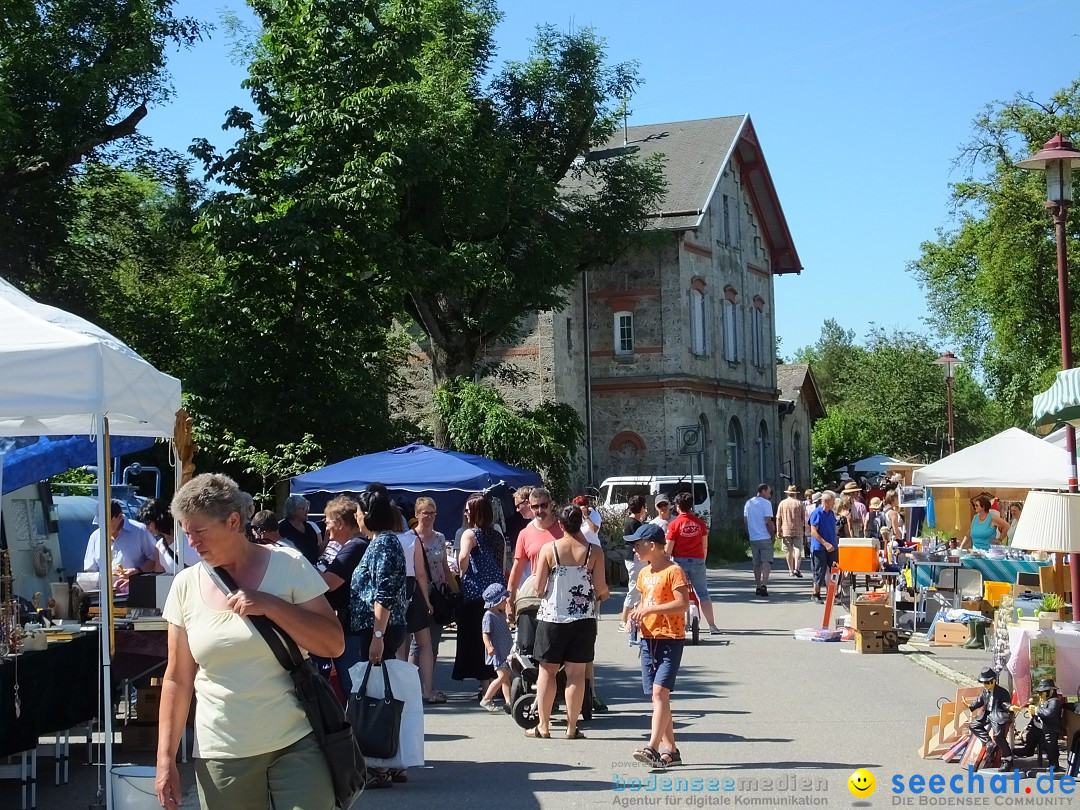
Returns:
point(61, 375)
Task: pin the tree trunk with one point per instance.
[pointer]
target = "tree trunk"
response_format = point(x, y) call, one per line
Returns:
point(458, 359)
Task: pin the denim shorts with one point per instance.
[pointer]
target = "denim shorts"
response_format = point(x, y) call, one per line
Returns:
point(694, 567)
point(660, 659)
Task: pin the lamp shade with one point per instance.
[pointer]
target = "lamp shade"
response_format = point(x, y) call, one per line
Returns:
point(1050, 521)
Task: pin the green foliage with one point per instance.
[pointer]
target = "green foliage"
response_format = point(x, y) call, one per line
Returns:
point(1051, 603)
point(479, 421)
point(727, 545)
point(76, 78)
point(75, 477)
point(272, 468)
point(887, 396)
point(991, 282)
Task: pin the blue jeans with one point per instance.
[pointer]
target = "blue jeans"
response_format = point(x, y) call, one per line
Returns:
point(695, 572)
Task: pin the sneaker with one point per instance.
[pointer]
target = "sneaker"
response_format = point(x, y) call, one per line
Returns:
point(817, 597)
point(764, 591)
point(598, 705)
point(714, 631)
point(758, 591)
point(624, 627)
point(489, 706)
point(798, 574)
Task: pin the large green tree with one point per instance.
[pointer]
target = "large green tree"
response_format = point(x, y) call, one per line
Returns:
point(392, 160)
point(991, 281)
point(76, 78)
point(886, 395)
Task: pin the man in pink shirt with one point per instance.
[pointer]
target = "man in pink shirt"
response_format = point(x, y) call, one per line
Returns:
point(543, 528)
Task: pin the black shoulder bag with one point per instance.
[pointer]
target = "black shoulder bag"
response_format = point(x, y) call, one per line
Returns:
point(443, 601)
point(376, 721)
point(333, 732)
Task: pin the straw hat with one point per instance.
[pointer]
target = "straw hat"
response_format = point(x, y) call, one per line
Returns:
point(792, 490)
point(851, 487)
point(875, 502)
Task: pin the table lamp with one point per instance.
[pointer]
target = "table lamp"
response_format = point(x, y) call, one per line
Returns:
point(1050, 521)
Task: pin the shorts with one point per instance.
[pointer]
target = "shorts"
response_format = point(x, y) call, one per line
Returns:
point(416, 615)
point(792, 544)
point(694, 567)
point(660, 659)
point(762, 551)
point(822, 564)
point(565, 642)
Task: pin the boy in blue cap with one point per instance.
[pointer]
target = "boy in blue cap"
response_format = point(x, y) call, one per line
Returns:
point(497, 641)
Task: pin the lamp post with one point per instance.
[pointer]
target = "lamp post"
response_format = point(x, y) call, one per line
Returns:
point(948, 363)
point(1057, 159)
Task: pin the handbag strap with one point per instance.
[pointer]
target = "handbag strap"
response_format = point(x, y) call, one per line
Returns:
point(388, 693)
point(281, 644)
point(423, 553)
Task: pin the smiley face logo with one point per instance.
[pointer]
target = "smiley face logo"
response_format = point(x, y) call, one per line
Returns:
point(862, 784)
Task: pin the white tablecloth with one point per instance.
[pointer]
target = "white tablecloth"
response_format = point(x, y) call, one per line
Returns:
point(1067, 659)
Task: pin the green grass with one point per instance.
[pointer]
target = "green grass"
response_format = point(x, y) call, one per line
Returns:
point(726, 545)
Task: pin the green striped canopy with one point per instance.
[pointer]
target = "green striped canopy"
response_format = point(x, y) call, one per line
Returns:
point(1060, 403)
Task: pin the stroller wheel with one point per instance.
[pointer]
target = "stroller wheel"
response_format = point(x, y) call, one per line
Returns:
point(524, 711)
point(517, 689)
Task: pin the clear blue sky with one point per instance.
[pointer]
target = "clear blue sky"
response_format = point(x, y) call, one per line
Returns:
point(861, 108)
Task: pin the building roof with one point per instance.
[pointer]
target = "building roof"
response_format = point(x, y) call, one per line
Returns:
point(794, 379)
point(696, 154)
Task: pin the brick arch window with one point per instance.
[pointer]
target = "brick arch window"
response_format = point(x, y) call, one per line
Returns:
point(759, 353)
point(627, 436)
point(627, 451)
point(731, 325)
point(624, 332)
point(734, 454)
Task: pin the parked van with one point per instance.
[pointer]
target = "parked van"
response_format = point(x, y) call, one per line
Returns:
point(616, 492)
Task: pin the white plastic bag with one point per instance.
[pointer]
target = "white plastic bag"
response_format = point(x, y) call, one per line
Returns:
point(405, 683)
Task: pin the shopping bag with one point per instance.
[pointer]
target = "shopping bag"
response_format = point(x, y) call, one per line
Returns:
point(405, 685)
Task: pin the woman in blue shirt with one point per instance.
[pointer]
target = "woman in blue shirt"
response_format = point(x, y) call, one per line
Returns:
point(986, 527)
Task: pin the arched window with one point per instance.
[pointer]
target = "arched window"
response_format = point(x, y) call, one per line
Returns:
point(796, 460)
point(734, 454)
point(624, 332)
point(699, 342)
point(763, 453)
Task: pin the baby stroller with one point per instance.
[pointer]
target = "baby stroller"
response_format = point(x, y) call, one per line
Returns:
point(525, 670)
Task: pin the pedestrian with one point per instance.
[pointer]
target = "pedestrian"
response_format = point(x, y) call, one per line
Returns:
point(497, 643)
point(480, 561)
point(663, 511)
point(521, 517)
point(298, 530)
point(858, 509)
point(874, 520)
point(688, 545)
point(571, 577)
point(636, 517)
point(791, 527)
point(435, 565)
point(591, 520)
point(808, 507)
point(823, 551)
point(661, 617)
point(758, 519)
point(543, 529)
point(255, 744)
point(173, 554)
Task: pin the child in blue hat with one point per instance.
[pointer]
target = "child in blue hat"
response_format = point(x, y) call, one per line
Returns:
point(497, 641)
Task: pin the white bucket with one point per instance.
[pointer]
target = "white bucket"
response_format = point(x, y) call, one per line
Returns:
point(133, 787)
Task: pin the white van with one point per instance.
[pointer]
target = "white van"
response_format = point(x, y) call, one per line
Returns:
point(616, 492)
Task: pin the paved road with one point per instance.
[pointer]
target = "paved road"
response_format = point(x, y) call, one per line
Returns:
point(751, 705)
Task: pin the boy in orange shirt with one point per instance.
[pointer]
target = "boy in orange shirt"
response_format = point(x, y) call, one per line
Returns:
point(661, 616)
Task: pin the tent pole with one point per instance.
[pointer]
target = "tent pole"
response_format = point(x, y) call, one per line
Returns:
point(105, 589)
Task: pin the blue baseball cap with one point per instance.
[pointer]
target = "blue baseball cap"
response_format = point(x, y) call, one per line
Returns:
point(647, 531)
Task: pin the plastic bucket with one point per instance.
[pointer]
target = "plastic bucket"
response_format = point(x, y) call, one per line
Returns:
point(133, 788)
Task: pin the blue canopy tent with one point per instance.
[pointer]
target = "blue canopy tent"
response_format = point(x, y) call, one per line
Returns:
point(445, 476)
point(28, 459)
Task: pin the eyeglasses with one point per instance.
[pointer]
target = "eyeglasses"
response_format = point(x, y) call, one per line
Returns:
point(522, 503)
point(543, 505)
point(428, 514)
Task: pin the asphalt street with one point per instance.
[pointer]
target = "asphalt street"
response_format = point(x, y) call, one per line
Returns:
point(761, 720)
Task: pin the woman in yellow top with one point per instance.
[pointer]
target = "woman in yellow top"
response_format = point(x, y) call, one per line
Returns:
point(661, 616)
point(254, 747)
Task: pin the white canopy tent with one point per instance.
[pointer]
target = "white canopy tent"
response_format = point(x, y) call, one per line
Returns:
point(1013, 459)
point(62, 375)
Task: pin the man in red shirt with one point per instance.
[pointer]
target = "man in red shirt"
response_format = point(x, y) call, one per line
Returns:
point(688, 545)
point(543, 529)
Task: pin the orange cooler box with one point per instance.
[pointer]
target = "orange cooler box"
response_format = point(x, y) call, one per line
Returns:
point(858, 554)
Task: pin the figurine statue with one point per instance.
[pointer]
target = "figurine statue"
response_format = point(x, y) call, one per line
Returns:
point(1043, 731)
point(992, 726)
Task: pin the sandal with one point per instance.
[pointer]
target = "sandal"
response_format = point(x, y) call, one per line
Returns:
point(378, 779)
point(534, 734)
point(649, 756)
point(399, 775)
point(436, 697)
point(671, 758)
point(577, 735)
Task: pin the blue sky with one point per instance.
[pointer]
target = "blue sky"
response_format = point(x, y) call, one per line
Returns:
point(861, 108)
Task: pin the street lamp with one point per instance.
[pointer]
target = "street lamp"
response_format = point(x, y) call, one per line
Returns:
point(948, 362)
point(1057, 158)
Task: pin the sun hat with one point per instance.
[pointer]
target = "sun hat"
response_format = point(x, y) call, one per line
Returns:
point(851, 486)
point(816, 497)
point(494, 594)
point(875, 502)
point(646, 531)
point(792, 490)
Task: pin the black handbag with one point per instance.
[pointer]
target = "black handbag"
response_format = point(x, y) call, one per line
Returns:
point(376, 722)
point(444, 602)
point(333, 732)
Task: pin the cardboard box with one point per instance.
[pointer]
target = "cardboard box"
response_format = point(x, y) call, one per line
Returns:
point(148, 703)
point(139, 737)
point(868, 616)
point(876, 642)
point(951, 634)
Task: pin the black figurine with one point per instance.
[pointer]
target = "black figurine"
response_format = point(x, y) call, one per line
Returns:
point(1044, 729)
point(992, 726)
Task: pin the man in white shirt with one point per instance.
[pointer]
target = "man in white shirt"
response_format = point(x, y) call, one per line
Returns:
point(758, 518)
point(663, 511)
point(133, 549)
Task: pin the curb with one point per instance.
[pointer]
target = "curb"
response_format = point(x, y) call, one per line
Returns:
point(923, 659)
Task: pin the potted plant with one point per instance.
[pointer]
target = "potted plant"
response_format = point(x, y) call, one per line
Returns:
point(1049, 610)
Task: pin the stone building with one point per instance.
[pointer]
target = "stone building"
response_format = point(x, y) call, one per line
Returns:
point(681, 330)
point(800, 407)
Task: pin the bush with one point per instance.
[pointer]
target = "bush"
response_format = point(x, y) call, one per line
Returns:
point(726, 545)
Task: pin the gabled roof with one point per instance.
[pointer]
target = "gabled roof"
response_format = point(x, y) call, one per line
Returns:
point(696, 154)
point(796, 378)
